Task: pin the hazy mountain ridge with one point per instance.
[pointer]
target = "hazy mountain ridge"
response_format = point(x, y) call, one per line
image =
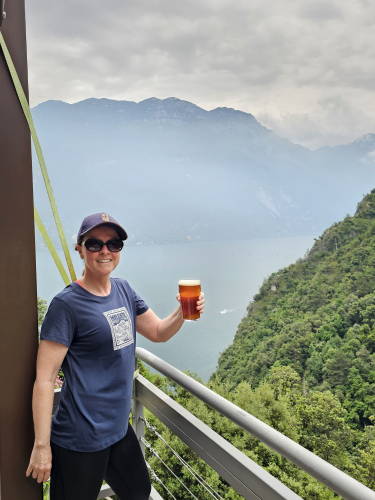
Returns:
point(151, 108)
point(144, 161)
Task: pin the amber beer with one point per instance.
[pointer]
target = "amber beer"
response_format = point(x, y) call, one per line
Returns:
point(189, 295)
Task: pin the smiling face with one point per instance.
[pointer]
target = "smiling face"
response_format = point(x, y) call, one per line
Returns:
point(102, 263)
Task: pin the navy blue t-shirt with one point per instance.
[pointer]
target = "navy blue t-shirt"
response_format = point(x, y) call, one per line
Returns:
point(100, 332)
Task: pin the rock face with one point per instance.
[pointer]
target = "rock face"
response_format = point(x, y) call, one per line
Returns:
point(176, 172)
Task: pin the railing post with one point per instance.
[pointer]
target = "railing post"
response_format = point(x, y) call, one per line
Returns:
point(138, 421)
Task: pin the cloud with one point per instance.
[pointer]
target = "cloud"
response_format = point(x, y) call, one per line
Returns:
point(332, 121)
point(273, 59)
point(321, 11)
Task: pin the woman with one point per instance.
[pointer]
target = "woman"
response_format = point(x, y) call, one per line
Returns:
point(89, 330)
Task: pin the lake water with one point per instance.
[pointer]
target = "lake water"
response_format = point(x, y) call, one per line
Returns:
point(231, 273)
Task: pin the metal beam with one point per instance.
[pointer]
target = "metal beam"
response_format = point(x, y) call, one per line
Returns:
point(17, 272)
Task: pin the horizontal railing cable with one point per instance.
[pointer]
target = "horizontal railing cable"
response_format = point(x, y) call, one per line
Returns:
point(323, 471)
point(156, 454)
point(196, 476)
point(158, 480)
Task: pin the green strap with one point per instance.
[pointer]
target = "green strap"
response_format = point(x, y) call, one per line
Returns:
point(43, 231)
point(38, 149)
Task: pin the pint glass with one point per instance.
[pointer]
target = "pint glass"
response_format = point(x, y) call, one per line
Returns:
point(189, 294)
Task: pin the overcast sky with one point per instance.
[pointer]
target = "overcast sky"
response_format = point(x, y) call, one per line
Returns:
point(305, 68)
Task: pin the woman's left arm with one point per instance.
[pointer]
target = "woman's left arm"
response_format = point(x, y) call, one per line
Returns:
point(160, 330)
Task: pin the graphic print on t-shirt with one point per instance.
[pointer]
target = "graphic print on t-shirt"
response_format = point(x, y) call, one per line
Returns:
point(121, 327)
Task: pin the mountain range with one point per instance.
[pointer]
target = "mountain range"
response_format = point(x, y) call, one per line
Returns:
point(172, 171)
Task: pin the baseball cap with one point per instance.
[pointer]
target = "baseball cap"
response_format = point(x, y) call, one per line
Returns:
point(98, 219)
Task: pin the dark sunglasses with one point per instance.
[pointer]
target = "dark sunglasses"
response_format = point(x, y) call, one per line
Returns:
point(94, 245)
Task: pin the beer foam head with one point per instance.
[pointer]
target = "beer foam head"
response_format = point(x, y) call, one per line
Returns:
point(189, 282)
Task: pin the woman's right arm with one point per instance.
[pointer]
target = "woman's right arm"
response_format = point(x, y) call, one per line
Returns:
point(49, 361)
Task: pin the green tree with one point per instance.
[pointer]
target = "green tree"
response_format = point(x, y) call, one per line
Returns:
point(42, 308)
point(324, 430)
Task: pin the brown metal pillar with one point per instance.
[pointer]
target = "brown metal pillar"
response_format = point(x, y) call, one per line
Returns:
point(18, 315)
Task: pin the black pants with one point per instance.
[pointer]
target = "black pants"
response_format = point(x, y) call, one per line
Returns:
point(79, 475)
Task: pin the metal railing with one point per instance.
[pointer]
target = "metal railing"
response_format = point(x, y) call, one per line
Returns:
point(244, 475)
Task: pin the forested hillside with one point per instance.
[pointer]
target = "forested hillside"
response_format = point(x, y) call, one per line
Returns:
point(318, 317)
point(302, 361)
